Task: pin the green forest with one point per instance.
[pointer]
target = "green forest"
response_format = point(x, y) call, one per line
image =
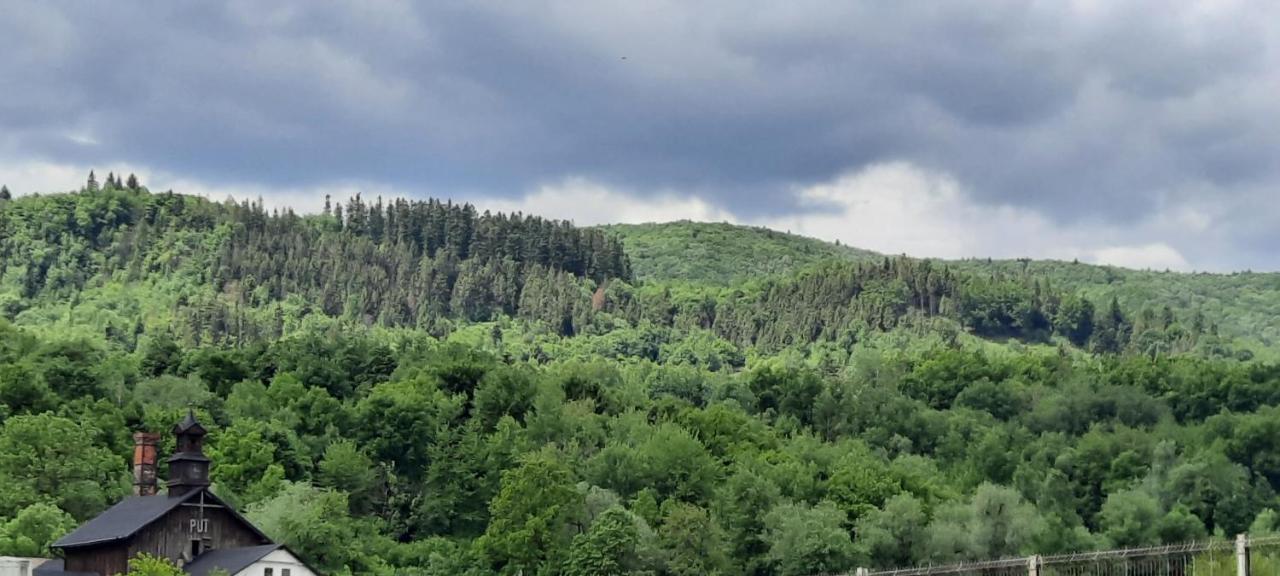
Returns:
point(418, 387)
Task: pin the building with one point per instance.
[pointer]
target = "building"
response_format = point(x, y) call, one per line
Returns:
point(187, 524)
point(11, 566)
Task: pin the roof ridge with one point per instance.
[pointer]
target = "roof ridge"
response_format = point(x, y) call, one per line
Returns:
point(130, 515)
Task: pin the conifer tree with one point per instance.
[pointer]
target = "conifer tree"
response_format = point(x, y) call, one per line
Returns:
point(132, 182)
point(92, 184)
point(4, 193)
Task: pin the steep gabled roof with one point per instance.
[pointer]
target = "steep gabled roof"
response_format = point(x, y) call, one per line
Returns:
point(133, 514)
point(189, 425)
point(122, 520)
point(232, 560)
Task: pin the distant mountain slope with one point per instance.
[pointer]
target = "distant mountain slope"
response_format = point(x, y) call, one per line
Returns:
point(121, 261)
point(721, 253)
point(234, 271)
point(1245, 307)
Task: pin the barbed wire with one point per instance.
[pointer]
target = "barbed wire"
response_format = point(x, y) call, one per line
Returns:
point(1055, 562)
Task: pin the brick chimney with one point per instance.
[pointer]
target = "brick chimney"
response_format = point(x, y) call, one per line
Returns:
point(144, 463)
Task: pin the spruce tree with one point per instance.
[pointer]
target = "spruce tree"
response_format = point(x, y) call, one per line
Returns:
point(4, 193)
point(132, 182)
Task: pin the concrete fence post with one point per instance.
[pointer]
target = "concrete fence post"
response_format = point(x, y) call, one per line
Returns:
point(861, 572)
point(1033, 565)
point(1242, 555)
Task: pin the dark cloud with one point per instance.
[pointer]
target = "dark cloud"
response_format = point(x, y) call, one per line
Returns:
point(1086, 110)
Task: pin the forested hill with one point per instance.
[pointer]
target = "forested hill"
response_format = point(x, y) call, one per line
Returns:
point(723, 253)
point(230, 273)
point(418, 388)
point(1242, 307)
point(235, 271)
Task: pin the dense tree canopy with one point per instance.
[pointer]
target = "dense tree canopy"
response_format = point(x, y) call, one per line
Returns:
point(418, 388)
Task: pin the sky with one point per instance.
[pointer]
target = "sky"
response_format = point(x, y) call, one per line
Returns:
point(1136, 133)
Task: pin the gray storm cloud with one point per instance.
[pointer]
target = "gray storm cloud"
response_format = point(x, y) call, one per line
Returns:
point(1088, 112)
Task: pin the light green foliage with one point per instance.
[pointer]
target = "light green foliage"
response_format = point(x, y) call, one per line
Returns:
point(1130, 519)
point(419, 388)
point(504, 392)
point(677, 466)
point(46, 458)
point(148, 565)
point(809, 540)
point(31, 532)
point(23, 391)
point(1180, 525)
point(1003, 524)
point(608, 548)
point(896, 534)
point(394, 416)
point(346, 468)
point(995, 523)
point(741, 504)
point(721, 253)
point(948, 537)
point(316, 524)
point(171, 392)
point(691, 541)
point(1267, 523)
point(532, 517)
point(860, 483)
point(249, 464)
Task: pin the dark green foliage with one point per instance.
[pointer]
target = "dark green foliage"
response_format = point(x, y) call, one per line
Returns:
point(404, 264)
point(608, 548)
point(532, 517)
point(415, 388)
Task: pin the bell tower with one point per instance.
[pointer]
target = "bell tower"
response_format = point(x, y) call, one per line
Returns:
point(188, 467)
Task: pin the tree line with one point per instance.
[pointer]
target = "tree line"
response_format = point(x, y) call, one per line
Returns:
point(417, 388)
point(390, 451)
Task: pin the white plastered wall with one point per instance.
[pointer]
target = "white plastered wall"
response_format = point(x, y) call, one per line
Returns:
point(278, 561)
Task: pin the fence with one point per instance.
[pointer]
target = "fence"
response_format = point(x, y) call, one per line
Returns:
point(1243, 557)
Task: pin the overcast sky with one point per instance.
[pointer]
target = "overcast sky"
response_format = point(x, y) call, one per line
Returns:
point(1144, 134)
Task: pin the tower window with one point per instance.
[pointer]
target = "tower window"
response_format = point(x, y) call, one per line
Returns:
point(284, 572)
point(268, 571)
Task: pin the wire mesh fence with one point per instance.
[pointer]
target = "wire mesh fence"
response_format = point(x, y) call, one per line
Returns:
point(1216, 558)
point(1006, 567)
point(1260, 557)
point(1264, 556)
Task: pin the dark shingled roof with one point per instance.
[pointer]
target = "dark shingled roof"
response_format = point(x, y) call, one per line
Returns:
point(135, 513)
point(122, 520)
point(189, 424)
point(57, 567)
point(232, 560)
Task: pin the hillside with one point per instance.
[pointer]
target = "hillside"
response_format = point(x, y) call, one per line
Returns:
point(122, 261)
point(722, 253)
point(1243, 307)
point(414, 388)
